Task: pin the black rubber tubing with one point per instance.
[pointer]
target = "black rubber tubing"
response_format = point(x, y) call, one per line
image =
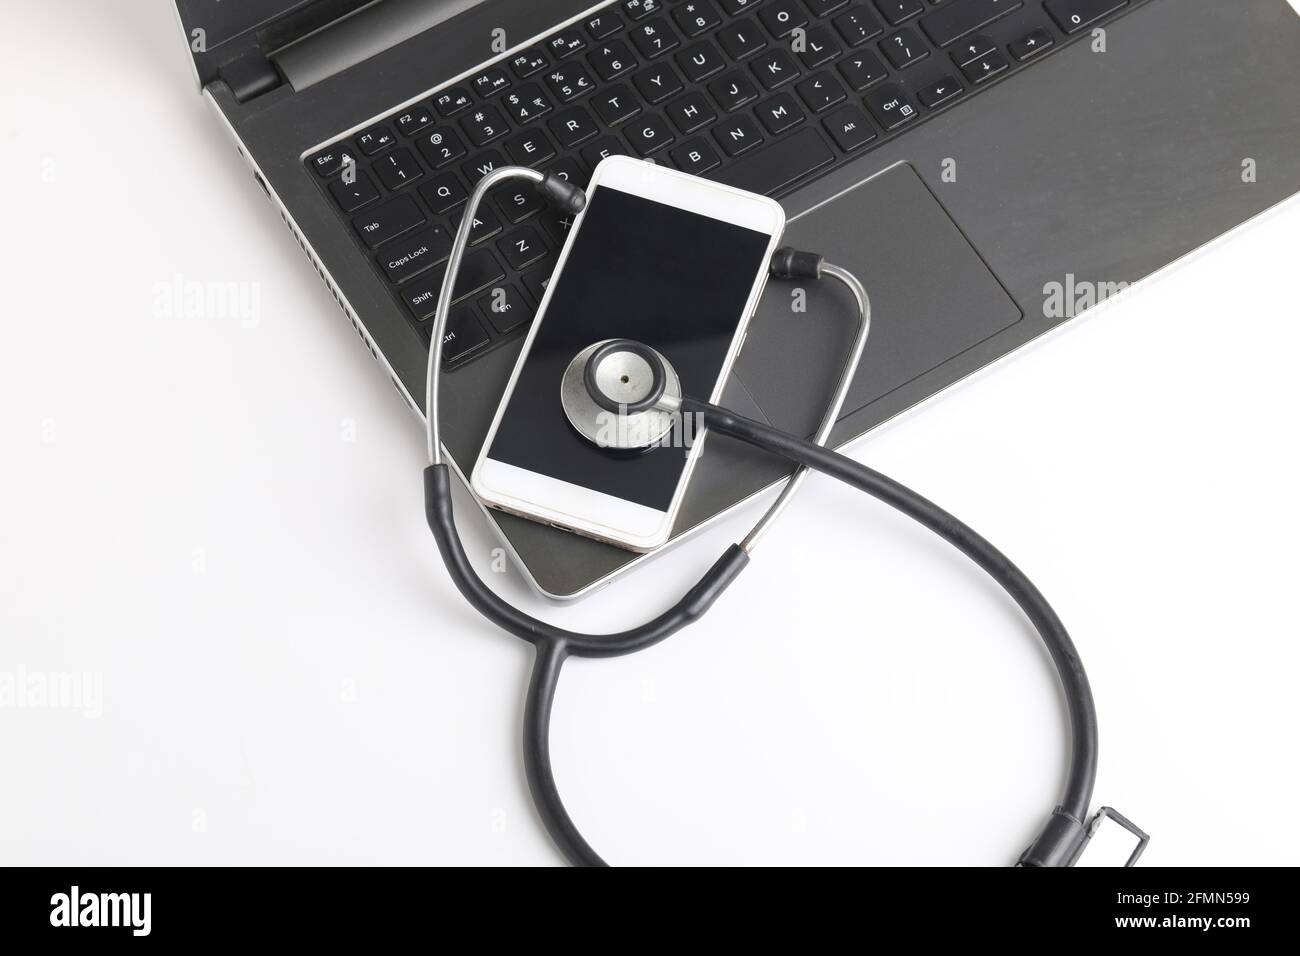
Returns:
point(1059, 841)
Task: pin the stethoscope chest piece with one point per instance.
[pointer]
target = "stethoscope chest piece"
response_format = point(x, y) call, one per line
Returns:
point(621, 395)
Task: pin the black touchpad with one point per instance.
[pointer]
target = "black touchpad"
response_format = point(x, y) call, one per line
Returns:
point(932, 298)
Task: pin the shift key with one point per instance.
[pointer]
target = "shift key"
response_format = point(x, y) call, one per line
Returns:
point(388, 221)
point(478, 271)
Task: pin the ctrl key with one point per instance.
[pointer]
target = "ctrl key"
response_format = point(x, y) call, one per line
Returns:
point(464, 333)
point(890, 106)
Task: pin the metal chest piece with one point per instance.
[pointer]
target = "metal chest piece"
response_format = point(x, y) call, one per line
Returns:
point(621, 394)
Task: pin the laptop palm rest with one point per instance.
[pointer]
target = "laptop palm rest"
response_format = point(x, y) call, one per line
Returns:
point(932, 298)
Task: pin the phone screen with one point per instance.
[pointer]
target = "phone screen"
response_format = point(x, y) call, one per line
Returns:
point(672, 279)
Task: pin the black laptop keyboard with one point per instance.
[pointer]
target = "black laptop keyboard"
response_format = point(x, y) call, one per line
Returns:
point(761, 94)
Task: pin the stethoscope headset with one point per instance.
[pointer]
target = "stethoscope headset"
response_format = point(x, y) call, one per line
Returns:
point(636, 384)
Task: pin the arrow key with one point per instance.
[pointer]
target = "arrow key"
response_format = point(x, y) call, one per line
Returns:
point(986, 67)
point(936, 94)
point(972, 48)
point(1031, 44)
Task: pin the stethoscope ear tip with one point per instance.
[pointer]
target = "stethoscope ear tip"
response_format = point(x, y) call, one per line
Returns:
point(565, 197)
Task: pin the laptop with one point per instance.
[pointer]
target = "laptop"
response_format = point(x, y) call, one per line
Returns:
point(989, 168)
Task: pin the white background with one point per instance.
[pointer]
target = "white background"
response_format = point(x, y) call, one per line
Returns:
point(288, 675)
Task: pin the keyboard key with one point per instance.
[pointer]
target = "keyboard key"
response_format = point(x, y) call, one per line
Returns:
point(618, 104)
point(896, 11)
point(903, 49)
point(986, 67)
point(573, 126)
point(463, 334)
point(640, 9)
point(529, 63)
point(566, 43)
point(850, 128)
point(648, 135)
point(1031, 44)
point(696, 157)
point(700, 61)
point(375, 140)
point(733, 90)
point(1073, 15)
point(862, 70)
point(478, 270)
point(571, 171)
point(940, 92)
point(770, 169)
point(737, 7)
point(485, 125)
point(570, 81)
point(388, 221)
point(858, 25)
point(972, 48)
point(482, 164)
point(602, 149)
point(453, 101)
point(781, 113)
point(950, 23)
point(413, 120)
point(603, 24)
point(783, 17)
point(520, 203)
point(776, 68)
point(526, 103)
point(612, 60)
point(822, 8)
point(657, 83)
point(821, 92)
point(742, 39)
point(410, 257)
point(820, 48)
point(522, 248)
point(890, 106)
point(738, 135)
point(329, 161)
point(441, 146)
point(690, 113)
point(398, 169)
point(654, 38)
point(444, 193)
point(696, 17)
point(530, 147)
point(505, 308)
point(352, 196)
point(557, 226)
point(490, 82)
point(536, 281)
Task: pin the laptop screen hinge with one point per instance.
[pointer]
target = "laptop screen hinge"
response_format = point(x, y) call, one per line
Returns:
point(250, 75)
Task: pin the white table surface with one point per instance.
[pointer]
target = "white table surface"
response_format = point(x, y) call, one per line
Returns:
point(218, 518)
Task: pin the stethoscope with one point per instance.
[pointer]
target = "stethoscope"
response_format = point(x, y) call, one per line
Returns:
point(634, 387)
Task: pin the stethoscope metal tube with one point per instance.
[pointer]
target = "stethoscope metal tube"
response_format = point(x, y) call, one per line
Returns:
point(433, 372)
point(1060, 841)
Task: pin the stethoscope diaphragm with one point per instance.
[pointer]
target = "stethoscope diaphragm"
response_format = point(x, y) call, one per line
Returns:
point(621, 395)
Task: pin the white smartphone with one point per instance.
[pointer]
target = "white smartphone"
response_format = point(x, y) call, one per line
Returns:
point(670, 260)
